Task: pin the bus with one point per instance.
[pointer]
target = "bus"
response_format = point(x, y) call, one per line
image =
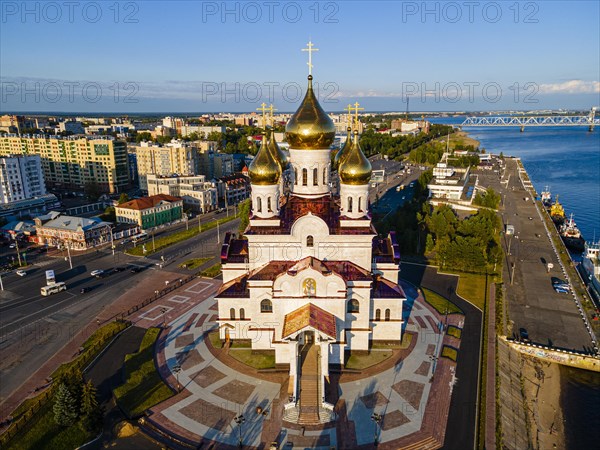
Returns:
point(139, 237)
point(53, 288)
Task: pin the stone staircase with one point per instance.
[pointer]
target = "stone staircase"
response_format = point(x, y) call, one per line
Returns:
point(310, 399)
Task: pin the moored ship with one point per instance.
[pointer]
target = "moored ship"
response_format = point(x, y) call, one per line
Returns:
point(571, 235)
point(557, 213)
point(590, 268)
point(546, 197)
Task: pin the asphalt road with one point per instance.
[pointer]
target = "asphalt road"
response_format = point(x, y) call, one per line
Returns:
point(460, 429)
point(33, 328)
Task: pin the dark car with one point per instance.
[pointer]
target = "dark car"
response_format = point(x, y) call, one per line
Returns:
point(120, 269)
point(83, 290)
point(135, 269)
point(523, 334)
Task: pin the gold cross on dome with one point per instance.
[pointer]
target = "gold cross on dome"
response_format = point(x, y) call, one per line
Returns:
point(263, 108)
point(310, 51)
point(356, 109)
point(349, 109)
point(271, 109)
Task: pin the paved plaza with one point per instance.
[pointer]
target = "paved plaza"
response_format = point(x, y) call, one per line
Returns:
point(214, 387)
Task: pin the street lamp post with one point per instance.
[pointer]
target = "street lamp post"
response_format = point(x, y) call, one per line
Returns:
point(177, 369)
point(69, 253)
point(163, 311)
point(239, 419)
point(377, 419)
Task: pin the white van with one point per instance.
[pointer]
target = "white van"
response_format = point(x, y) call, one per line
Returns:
point(53, 288)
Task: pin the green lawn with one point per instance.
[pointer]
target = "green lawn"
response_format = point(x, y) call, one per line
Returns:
point(440, 303)
point(406, 339)
point(449, 352)
point(214, 339)
point(454, 331)
point(471, 287)
point(359, 361)
point(212, 271)
point(165, 241)
point(194, 263)
point(259, 359)
point(144, 387)
point(42, 432)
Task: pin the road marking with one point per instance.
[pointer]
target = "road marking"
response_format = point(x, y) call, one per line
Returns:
point(39, 311)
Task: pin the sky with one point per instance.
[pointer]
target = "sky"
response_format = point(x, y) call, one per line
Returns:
point(155, 56)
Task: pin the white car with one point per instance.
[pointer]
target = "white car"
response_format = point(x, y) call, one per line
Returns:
point(97, 273)
point(21, 272)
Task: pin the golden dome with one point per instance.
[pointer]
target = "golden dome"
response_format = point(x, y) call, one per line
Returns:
point(355, 168)
point(310, 127)
point(341, 154)
point(281, 158)
point(264, 168)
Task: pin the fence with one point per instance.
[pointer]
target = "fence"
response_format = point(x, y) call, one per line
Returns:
point(82, 360)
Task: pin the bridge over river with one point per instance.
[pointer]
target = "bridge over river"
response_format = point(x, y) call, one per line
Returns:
point(589, 121)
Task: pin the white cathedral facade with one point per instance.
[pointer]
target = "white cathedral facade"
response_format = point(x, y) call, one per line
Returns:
point(310, 271)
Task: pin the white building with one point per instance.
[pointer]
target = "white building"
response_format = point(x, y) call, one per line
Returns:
point(310, 279)
point(448, 182)
point(198, 194)
point(21, 178)
point(71, 126)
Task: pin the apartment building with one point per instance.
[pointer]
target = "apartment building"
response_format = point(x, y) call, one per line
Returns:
point(198, 194)
point(72, 162)
point(150, 212)
point(21, 178)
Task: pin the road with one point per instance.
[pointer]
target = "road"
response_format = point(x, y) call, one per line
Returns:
point(33, 328)
point(550, 318)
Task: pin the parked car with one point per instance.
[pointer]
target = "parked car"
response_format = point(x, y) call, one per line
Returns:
point(21, 272)
point(120, 268)
point(97, 273)
point(562, 289)
point(12, 245)
point(523, 334)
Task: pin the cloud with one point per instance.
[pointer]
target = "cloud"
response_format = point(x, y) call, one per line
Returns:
point(571, 87)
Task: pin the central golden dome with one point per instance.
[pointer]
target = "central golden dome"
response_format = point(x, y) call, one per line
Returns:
point(264, 168)
point(355, 168)
point(310, 127)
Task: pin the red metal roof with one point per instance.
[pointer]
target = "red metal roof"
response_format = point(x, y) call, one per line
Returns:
point(140, 204)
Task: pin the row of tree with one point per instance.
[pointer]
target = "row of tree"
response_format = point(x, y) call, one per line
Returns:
point(76, 402)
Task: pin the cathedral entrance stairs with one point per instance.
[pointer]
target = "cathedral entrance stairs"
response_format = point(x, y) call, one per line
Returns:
point(309, 386)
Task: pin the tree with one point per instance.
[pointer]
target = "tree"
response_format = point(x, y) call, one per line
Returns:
point(123, 198)
point(91, 412)
point(143, 136)
point(244, 209)
point(109, 214)
point(92, 190)
point(65, 407)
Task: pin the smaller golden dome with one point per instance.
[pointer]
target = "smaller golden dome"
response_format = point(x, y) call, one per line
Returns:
point(355, 168)
point(282, 159)
point(310, 127)
point(341, 154)
point(264, 168)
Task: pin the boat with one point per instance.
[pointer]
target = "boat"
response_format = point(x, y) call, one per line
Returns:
point(557, 212)
point(546, 197)
point(590, 268)
point(571, 235)
point(399, 188)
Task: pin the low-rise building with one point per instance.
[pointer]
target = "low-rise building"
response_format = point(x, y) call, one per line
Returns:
point(30, 207)
point(198, 194)
point(76, 233)
point(233, 189)
point(150, 212)
point(448, 182)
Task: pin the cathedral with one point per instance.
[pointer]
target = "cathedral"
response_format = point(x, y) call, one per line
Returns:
point(310, 278)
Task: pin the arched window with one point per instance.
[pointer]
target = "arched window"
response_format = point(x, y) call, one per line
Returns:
point(232, 313)
point(269, 204)
point(266, 306)
point(325, 175)
point(349, 204)
point(353, 306)
point(310, 241)
point(315, 177)
point(377, 314)
point(304, 177)
point(242, 314)
point(258, 204)
point(387, 315)
point(296, 175)
point(359, 204)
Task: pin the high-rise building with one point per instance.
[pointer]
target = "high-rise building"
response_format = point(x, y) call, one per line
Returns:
point(21, 178)
point(176, 157)
point(73, 162)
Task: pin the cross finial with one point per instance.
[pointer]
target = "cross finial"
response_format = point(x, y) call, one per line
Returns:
point(310, 51)
point(263, 108)
point(271, 109)
point(356, 109)
point(349, 115)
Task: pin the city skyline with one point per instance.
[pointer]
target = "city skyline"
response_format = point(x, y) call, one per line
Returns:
point(214, 56)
